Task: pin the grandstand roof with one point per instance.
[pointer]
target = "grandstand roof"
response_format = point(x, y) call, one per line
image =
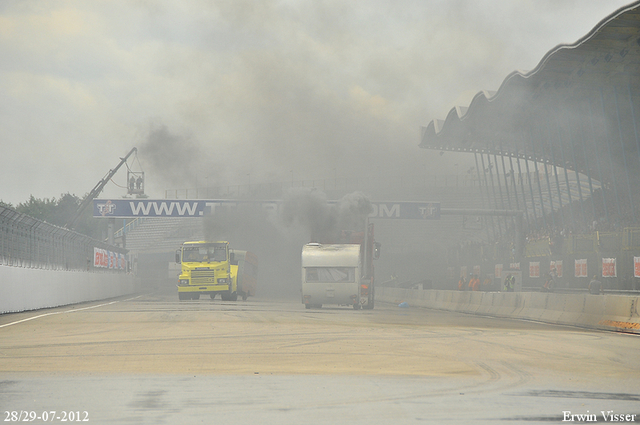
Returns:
point(577, 109)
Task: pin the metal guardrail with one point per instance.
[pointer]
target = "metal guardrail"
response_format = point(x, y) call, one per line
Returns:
point(129, 227)
point(29, 242)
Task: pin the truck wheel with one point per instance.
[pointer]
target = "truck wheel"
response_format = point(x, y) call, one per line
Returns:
point(213, 296)
point(195, 296)
point(244, 296)
point(183, 296)
point(356, 306)
point(234, 297)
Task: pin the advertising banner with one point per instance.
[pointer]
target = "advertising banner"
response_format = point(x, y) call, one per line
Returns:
point(125, 208)
point(108, 259)
point(534, 269)
point(581, 268)
point(636, 266)
point(557, 264)
point(100, 258)
point(609, 268)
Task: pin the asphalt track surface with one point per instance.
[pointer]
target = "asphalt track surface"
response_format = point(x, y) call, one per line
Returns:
point(151, 359)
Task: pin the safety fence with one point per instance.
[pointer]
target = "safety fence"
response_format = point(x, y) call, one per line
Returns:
point(31, 243)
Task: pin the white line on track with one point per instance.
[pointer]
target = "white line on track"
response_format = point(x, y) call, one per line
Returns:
point(67, 311)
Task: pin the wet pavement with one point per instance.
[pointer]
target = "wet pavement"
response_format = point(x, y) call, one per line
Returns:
point(154, 360)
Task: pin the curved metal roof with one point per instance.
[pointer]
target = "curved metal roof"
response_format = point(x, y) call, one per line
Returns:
point(577, 109)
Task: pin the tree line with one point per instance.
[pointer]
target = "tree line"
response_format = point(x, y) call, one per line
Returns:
point(60, 211)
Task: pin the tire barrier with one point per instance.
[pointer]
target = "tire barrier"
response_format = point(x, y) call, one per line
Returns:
point(604, 312)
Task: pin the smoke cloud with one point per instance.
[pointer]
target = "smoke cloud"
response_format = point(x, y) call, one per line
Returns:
point(318, 89)
point(325, 222)
point(277, 237)
point(176, 158)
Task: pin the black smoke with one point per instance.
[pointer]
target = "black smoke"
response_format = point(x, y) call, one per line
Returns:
point(177, 159)
point(324, 221)
point(277, 236)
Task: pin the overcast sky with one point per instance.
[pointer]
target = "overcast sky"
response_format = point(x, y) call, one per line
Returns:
point(227, 92)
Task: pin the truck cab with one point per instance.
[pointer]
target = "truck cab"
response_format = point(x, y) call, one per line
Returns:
point(206, 270)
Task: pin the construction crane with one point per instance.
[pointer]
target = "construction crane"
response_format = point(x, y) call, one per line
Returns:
point(97, 189)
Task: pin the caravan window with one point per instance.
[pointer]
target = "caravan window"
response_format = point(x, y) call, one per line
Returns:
point(330, 274)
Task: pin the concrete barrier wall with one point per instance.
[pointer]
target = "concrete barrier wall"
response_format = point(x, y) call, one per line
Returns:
point(24, 289)
point(607, 312)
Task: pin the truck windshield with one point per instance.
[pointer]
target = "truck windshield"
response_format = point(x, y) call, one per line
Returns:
point(204, 253)
point(330, 274)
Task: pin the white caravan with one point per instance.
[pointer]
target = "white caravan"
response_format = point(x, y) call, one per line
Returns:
point(331, 274)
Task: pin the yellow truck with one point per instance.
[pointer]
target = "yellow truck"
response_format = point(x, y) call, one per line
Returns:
point(211, 268)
